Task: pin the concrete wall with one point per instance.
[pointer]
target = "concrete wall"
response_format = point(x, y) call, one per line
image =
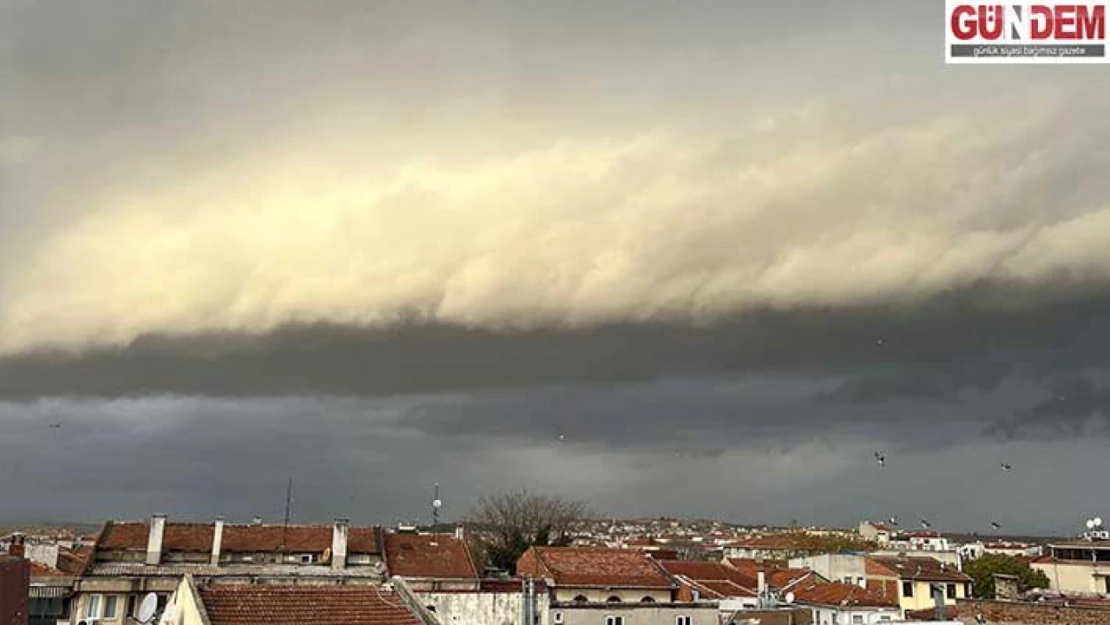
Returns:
point(1075, 577)
point(830, 616)
point(641, 614)
point(834, 567)
point(922, 598)
point(482, 608)
point(186, 607)
point(600, 595)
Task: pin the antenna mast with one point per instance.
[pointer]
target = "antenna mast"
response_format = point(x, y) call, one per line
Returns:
point(436, 504)
point(288, 500)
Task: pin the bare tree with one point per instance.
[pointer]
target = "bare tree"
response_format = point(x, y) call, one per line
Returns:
point(508, 523)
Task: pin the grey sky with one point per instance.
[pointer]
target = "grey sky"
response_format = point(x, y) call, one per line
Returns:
point(380, 244)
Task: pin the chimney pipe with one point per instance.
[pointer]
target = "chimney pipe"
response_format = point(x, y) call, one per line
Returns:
point(17, 547)
point(217, 540)
point(339, 544)
point(154, 542)
point(460, 532)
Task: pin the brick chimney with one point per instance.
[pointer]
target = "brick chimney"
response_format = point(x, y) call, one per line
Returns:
point(217, 540)
point(17, 546)
point(339, 544)
point(154, 541)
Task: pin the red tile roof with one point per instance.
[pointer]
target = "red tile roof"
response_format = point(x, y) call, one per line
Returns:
point(590, 567)
point(721, 589)
point(841, 594)
point(440, 556)
point(297, 605)
point(41, 570)
point(920, 568)
point(777, 576)
point(709, 571)
point(197, 537)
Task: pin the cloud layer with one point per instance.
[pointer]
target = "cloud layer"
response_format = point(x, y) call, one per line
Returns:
point(785, 215)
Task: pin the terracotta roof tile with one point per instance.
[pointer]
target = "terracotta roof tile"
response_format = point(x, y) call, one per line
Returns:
point(296, 605)
point(589, 566)
point(197, 537)
point(920, 568)
point(841, 594)
point(439, 556)
point(41, 570)
point(709, 571)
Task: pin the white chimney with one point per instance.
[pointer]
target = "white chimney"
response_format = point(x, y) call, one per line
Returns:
point(762, 583)
point(460, 532)
point(217, 540)
point(339, 544)
point(154, 542)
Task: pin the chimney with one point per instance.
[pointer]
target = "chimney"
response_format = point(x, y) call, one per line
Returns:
point(339, 544)
point(460, 532)
point(257, 521)
point(762, 583)
point(16, 548)
point(217, 540)
point(154, 542)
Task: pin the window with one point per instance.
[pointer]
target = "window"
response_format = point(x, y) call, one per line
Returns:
point(110, 606)
point(613, 599)
point(683, 620)
point(581, 599)
point(847, 579)
point(907, 589)
point(92, 606)
point(308, 558)
point(857, 619)
point(557, 618)
point(614, 620)
point(950, 591)
point(647, 600)
point(1106, 580)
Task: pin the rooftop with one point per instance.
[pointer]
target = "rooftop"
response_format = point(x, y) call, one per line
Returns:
point(589, 566)
point(439, 556)
point(197, 537)
point(296, 605)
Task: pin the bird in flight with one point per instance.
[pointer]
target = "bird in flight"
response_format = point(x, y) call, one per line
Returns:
point(55, 426)
point(892, 520)
point(1006, 467)
point(880, 458)
point(926, 524)
point(995, 525)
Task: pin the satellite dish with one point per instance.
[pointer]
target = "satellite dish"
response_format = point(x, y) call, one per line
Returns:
point(789, 598)
point(438, 503)
point(1090, 524)
point(1098, 521)
point(148, 607)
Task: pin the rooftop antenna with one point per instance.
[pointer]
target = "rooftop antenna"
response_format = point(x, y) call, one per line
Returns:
point(288, 501)
point(437, 503)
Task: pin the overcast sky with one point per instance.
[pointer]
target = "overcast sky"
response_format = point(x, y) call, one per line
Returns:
point(695, 259)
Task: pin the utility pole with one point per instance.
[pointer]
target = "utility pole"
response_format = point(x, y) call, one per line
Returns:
point(436, 505)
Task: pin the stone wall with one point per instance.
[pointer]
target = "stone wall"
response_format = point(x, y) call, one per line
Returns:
point(1022, 613)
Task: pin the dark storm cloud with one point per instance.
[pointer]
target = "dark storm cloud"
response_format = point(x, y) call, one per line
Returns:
point(970, 340)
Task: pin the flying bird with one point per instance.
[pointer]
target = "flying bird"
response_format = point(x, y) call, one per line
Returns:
point(880, 458)
point(926, 524)
point(55, 426)
point(995, 525)
point(1006, 467)
point(892, 520)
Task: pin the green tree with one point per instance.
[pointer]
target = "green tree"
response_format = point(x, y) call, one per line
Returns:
point(507, 524)
point(984, 568)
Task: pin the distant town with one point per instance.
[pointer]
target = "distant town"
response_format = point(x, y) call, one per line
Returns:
point(534, 560)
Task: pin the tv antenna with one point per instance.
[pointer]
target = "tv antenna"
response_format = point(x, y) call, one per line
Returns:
point(288, 501)
point(437, 503)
